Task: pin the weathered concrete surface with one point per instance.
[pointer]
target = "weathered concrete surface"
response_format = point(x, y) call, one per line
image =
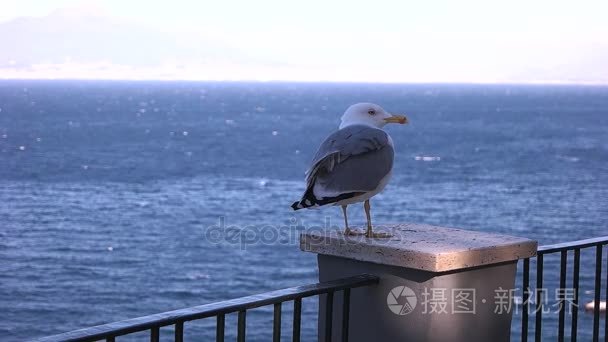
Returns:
point(422, 247)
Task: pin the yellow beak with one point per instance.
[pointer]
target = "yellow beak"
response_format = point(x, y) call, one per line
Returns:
point(400, 119)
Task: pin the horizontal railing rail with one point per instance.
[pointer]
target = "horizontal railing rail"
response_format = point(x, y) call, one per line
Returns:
point(564, 250)
point(219, 309)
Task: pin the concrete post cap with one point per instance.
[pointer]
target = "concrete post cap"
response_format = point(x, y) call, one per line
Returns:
point(422, 247)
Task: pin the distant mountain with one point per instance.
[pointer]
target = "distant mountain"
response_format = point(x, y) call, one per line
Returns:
point(89, 38)
point(589, 68)
point(76, 43)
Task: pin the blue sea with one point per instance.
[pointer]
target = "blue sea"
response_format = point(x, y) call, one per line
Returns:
point(108, 189)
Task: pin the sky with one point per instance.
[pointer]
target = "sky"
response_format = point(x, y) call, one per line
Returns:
point(476, 41)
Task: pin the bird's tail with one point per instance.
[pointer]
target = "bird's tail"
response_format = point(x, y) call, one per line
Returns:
point(297, 205)
point(308, 200)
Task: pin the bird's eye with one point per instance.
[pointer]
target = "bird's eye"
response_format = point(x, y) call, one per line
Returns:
point(371, 112)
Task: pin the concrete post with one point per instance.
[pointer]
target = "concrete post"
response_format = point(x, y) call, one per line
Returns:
point(436, 284)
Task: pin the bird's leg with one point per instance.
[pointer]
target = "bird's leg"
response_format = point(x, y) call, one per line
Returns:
point(369, 232)
point(369, 218)
point(346, 229)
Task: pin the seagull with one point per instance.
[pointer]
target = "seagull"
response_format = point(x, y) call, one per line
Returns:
point(353, 164)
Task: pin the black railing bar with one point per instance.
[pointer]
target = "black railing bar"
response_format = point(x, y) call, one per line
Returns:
point(276, 323)
point(242, 326)
point(575, 285)
point(606, 294)
point(329, 315)
point(209, 310)
point(345, 314)
point(297, 319)
point(155, 334)
point(526, 300)
point(538, 330)
point(179, 332)
point(558, 247)
point(598, 290)
point(220, 324)
point(562, 302)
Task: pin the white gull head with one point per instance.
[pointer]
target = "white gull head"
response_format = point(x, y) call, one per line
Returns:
point(369, 114)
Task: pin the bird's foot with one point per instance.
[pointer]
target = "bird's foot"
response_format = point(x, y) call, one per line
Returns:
point(350, 232)
point(378, 235)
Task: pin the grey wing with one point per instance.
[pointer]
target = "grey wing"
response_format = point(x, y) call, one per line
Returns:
point(355, 158)
point(359, 173)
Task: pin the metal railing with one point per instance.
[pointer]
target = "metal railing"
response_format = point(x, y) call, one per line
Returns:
point(219, 310)
point(177, 318)
point(564, 250)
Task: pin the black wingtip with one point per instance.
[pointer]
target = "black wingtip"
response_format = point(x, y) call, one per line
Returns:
point(296, 205)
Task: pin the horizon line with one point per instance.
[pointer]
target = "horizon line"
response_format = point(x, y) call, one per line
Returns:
point(525, 83)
